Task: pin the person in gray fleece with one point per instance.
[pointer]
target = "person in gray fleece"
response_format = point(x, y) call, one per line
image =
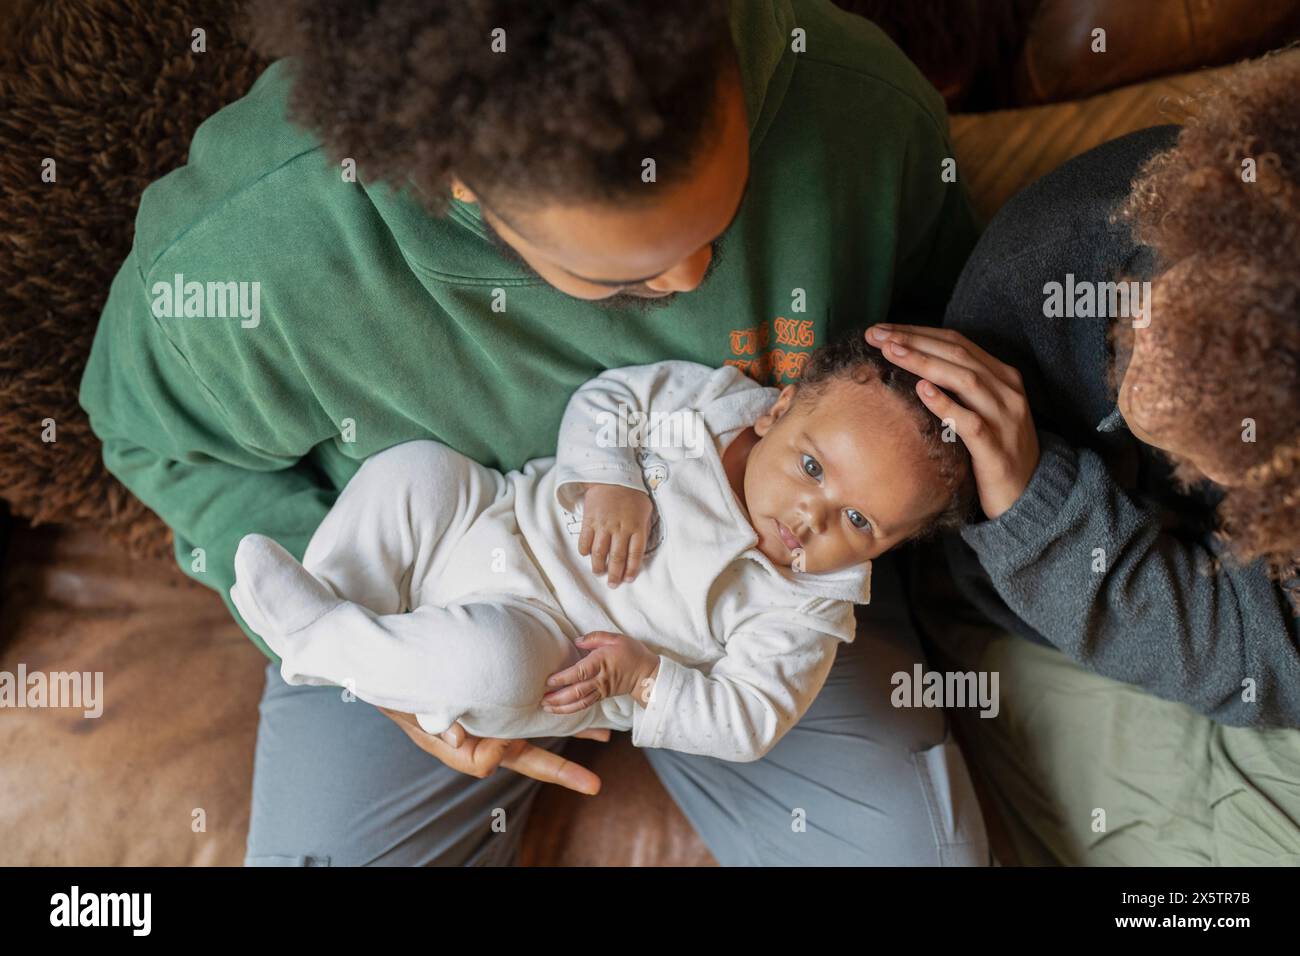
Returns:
point(1138, 456)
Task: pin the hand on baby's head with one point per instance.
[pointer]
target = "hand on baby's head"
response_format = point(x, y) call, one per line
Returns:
point(850, 464)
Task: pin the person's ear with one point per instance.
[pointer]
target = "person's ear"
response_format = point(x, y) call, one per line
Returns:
point(783, 403)
point(462, 192)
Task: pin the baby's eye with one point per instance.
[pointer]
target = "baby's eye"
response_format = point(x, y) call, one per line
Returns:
point(812, 467)
point(858, 519)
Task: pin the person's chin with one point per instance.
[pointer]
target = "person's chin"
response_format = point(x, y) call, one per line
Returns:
point(774, 551)
point(636, 303)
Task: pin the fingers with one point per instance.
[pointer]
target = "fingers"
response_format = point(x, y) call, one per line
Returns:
point(594, 733)
point(475, 756)
point(615, 522)
point(618, 556)
point(485, 753)
point(600, 552)
point(585, 669)
point(625, 555)
point(968, 425)
point(570, 700)
point(579, 686)
point(598, 639)
point(480, 757)
point(920, 340)
point(470, 755)
point(945, 343)
point(540, 764)
point(454, 735)
point(570, 694)
point(635, 554)
point(975, 385)
point(617, 559)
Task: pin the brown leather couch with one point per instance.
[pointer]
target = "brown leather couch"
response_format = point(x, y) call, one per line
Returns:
point(183, 683)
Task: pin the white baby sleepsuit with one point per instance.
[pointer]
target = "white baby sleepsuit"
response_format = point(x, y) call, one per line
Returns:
point(439, 587)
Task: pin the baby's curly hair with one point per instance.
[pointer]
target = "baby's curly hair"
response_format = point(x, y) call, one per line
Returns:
point(852, 359)
point(583, 91)
point(1225, 311)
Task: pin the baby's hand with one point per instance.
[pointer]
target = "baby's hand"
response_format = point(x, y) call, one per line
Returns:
point(615, 522)
point(617, 665)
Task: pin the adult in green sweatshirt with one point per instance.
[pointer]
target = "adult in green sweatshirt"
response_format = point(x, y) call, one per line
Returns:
point(436, 221)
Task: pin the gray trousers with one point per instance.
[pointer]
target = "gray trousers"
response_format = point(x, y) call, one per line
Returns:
point(856, 782)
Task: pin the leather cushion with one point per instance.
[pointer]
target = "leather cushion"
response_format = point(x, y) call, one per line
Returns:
point(1143, 40)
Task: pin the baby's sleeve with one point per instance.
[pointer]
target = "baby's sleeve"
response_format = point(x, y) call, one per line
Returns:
point(613, 415)
point(775, 665)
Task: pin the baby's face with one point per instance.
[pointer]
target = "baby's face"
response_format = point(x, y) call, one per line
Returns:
point(843, 475)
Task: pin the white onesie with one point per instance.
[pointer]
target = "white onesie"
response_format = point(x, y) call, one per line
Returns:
point(438, 587)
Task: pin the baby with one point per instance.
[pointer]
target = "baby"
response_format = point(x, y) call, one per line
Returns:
point(730, 531)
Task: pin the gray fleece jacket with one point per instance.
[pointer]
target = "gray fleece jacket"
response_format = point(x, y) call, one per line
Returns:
point(1102, 556)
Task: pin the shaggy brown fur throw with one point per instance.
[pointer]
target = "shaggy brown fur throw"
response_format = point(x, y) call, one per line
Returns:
point(112, 92)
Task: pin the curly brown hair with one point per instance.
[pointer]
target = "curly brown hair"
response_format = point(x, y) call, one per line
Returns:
point(1224, 339)
point(583, 91)
point(852, 359)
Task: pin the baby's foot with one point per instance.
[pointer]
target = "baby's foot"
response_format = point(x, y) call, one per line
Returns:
point(277, 591)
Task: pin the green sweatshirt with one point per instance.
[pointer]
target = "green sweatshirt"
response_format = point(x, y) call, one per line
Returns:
point(376, 321)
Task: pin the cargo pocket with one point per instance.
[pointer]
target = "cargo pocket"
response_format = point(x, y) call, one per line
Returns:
point(270, 859)
point(955, 815)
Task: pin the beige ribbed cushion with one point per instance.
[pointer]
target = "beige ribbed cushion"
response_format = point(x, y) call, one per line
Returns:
point(1000, 153)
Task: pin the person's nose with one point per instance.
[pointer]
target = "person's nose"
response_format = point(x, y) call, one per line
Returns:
point(813, 512)
point(684, 276)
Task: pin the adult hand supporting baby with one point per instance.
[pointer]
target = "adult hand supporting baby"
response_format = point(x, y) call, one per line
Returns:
point(480, 756)
point(992, 416)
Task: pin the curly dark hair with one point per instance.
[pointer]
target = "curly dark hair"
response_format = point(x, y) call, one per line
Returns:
point(1225, 329)
point(583, 91)
point(852, 359)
